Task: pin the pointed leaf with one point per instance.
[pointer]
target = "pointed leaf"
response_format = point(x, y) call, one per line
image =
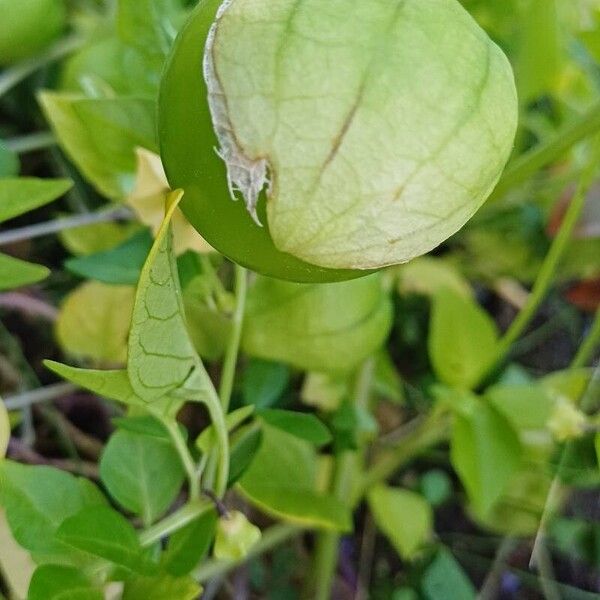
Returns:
point(16, 273)
point(57, 582)
point(103, 532)
point(161, 355)
point(21, 194)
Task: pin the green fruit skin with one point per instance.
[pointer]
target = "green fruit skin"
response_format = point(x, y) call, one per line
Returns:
point(28, 26)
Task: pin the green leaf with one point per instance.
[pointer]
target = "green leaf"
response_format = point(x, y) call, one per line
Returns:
point(445, 579)
point(21, 194)
point(4, 429)
point(103, 532)
point(387, 381)
point(485, 451)
point(37, 499)
point(161, 356)
point(303, 325)
point(244, 445)
point(282, 481)
point(235, 536)
point(16, 273)
point(119, 266)
point(205, 441)
point(264, 382)
point(404, 517)
point(160, 588)
point(100, 136)
point(302, 425)
point(57, 582)
point(9, 162)
point(143, 474)
point(110, 384)
point(189, 545)
point(145, 425)
point(148, 25)
point(462, 340)
point(427, 275)
point(93, 322)
point(526, 407)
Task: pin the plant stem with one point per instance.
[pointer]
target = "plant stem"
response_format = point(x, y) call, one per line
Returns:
point(531, 162)
point(184, 454)
point(272, 537)
point(31, 142)
point(57, 225)
point(592, 341)
point(233, 346)
point(217, 417)
point(180, 518)
point(13, 76)
point(346, 467)
point(43, 394)
point(548, 270)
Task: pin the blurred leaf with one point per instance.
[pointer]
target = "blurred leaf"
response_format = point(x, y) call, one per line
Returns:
point(485, 452)
point(244, 446)
point(98, 237)
point(16, 564)
point(9, 162)
point(264, 382)
point(436, 486)
point(387, 383)
point(526, 407)
point(404, 517)
point(428, 275)
point(143, 474)
point(148, 200)
point(540, 49)
point(302, 425)
point(119, 266)
point(37, 499)
point(58, 582)
point(206, 440)
point(103, 532)
point(283, 483)
point(100, 136)
point(21, 194)
point(160, 588)
point(209, 327)
point(462, 340)
point(4, 429)
point(15, 273)
point(94, 320)
point(189, 545)
point(445, 580)
point(324, 391)
point(303, 325)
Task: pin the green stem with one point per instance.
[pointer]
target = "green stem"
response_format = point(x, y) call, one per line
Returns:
point(180, 518)
point(233, 346)
point(346, 466)
point(527, 165)
point(586, 351)
point(547, 272)
point(17, 73)
point(31, 142)
point(184, 455)
point(217, 417)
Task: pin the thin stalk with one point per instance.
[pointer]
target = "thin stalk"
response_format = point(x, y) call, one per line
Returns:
point(233, 346)
point(17, 73)
point(271, 538)
point(550, 265)
point(184, 455)
point(175, 521)
point(43, 394)
point(31, 142)
point(217, 417)
point(41, 229)
point(586, 351)
point(347, 463)
point(524, 167)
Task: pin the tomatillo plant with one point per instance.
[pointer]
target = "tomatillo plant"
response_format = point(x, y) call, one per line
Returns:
point(370, 131)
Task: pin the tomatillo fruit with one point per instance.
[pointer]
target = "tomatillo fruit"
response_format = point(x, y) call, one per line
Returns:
point(28, 26)
point(358, 133)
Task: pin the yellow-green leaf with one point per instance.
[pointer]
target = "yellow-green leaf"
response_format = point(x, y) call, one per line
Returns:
point(15, 273)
